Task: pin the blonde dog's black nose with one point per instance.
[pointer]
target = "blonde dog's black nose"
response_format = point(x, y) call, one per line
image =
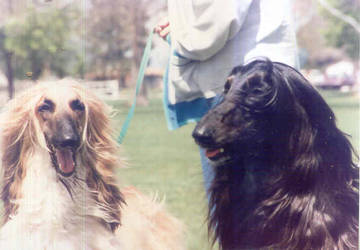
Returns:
point(66, 134)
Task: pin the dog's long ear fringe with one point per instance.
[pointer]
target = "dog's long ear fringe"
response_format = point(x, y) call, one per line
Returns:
point(321, 158)
point(16, 140)
point(316, 162)
point(101, 152)
point(318, 146)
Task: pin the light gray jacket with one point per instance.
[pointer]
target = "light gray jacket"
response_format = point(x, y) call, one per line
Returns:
point(210, 37)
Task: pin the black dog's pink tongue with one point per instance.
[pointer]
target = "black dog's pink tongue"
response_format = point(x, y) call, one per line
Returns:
point(65, 160)
point(212, 153)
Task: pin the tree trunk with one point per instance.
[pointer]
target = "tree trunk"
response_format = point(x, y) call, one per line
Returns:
point(9, 74)
point(8, 62)
point(143, 94)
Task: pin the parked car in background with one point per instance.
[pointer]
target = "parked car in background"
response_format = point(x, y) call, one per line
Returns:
point(339, 75)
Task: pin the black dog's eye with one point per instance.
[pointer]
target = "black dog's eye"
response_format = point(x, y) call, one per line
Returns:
point(47, 105)
point(77, 105)
point(227, 87)
point(228, 83)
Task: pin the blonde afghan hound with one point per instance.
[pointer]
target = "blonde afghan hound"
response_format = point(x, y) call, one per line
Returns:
point(58, 185)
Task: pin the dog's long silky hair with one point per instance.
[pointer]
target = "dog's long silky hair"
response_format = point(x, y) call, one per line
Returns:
point(21, 134)
point(291, 182)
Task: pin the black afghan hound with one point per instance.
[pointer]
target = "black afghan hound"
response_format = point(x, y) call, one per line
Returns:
point(285, 176)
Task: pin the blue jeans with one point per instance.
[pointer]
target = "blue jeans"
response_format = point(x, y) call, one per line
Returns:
point(207, 169)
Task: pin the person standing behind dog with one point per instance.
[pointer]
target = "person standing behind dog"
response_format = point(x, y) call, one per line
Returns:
point(208, 38)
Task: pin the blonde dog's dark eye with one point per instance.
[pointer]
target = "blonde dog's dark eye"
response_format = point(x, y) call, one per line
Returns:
point(77, 105)
point(46, 106)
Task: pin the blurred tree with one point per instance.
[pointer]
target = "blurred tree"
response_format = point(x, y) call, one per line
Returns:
point(8, 63)
point(7, 9)
point(39, 42)
point(138, 18)
point(344, 28)
point(108, 35)
point(307, 24)
point(116, 38)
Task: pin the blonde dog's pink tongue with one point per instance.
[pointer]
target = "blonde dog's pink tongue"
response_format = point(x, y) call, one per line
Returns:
point(65, 160)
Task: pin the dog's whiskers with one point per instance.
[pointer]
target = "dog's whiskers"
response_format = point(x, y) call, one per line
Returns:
point(79, 179)
point(67, 186)
point(71, 183)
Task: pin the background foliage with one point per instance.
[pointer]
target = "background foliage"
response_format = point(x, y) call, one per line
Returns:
point(40, 41)
point(340, 34)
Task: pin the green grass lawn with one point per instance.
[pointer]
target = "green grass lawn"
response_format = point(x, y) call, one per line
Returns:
point(346, 109)
point(168, 163)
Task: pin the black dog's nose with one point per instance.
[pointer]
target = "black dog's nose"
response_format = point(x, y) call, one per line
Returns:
point(202, 135)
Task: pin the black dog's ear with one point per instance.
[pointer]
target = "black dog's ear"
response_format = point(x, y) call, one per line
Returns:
point(258, 91)
point(265, 89)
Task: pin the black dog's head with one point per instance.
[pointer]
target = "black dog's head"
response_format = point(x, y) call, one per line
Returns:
point(256, 99)
point(273, 121)
point(270, 110)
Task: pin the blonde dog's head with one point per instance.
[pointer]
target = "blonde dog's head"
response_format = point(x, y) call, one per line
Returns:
point(73, 126)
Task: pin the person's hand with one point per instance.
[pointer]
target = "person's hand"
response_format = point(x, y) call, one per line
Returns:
point(163, 28)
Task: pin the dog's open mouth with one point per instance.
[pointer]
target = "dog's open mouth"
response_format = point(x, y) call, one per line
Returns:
point(214, 154)
point(217, 155)
point(63, 159)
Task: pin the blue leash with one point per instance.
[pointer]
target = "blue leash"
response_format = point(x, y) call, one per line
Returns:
point(139, 81)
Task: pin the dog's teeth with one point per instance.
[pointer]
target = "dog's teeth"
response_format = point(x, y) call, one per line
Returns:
point(222, 150)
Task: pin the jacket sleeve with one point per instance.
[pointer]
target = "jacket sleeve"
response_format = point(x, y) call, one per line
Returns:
point(200, 28)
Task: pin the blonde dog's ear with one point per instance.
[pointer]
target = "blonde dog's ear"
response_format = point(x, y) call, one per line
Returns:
point(18, 134)
point(101, 156)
